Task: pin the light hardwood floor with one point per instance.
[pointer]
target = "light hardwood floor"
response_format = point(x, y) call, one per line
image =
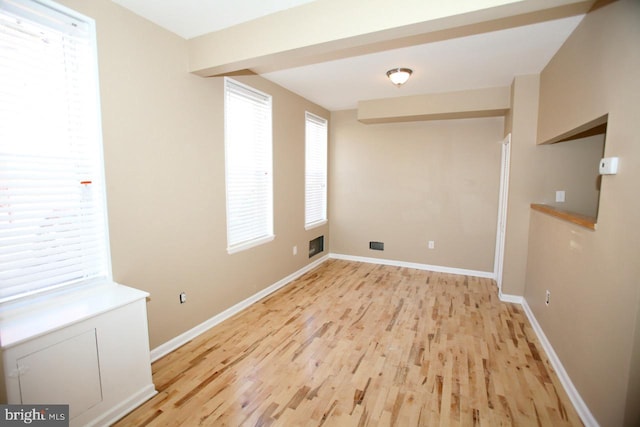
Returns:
point(355, 344)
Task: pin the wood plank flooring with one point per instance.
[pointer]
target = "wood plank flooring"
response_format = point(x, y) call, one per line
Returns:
point(355, 344)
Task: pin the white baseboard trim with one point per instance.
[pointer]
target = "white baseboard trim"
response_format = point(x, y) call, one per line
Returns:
point(124, 408)
point(516, 299)
point(436, 268)
point(180, 340)
point(581, 407)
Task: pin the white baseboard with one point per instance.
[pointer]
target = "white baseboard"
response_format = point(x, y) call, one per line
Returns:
point(436, 268)
point(124, 408)
point(516, 299)
point(581, 407)
point(180, 340)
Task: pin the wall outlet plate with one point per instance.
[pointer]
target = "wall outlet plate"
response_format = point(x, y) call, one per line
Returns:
point(547, 298)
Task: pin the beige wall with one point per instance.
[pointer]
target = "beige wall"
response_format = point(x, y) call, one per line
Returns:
point(537, 171)
point(572, 166)
point(164, 155)
point(407, 183)
point(486, 102)
point(592, 320)
point(521, 123)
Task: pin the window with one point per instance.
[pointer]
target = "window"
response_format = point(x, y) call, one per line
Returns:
point(315, 171)
point(248, 169)
point(53, 225)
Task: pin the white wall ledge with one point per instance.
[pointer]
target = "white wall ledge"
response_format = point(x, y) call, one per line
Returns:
point(20, 323)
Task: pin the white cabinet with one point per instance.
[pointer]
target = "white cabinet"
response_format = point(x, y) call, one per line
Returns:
point(74, 377)
point(87, 349)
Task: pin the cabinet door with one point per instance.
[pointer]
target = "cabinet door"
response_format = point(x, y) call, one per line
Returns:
point(66, 372)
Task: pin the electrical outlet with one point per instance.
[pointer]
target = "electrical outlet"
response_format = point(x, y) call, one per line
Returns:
point(183, 297)
point(295, 250)
point(432, 244)
point(560, 196)
point(547, 297)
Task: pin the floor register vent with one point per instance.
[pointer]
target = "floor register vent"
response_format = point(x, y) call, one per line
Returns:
point(316, 246)
point(376, 246)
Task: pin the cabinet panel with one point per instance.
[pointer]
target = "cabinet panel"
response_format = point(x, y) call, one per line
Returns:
point(67, 372)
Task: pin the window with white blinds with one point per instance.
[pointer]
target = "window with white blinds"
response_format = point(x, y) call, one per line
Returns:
point(248, 166)
point(53, 230)
point(315, 171)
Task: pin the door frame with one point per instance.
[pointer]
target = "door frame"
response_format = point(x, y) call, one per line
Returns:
point(503, 199)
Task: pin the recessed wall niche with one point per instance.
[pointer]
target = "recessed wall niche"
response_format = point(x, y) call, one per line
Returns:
point(571, 164)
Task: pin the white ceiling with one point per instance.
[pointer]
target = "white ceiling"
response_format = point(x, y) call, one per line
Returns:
point(192, 18)
point(473, 62)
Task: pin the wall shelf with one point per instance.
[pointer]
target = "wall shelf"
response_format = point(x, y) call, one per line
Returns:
point(575, 218)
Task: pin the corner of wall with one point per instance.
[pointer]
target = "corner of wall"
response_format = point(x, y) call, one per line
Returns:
point(522, 125)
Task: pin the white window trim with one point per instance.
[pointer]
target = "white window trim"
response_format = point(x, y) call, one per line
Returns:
point(250, 244)
point(233, 248)
point(316, 224)
point(43, 10)
point(325, 220)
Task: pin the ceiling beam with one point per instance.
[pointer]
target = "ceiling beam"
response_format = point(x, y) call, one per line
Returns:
point(488, 102)
point(332, 29)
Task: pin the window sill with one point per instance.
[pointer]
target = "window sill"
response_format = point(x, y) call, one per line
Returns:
point(315, 224)
point(25, 322)
point(575, 218)
point(250, 244)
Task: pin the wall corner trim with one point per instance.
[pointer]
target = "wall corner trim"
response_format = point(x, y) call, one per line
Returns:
point(581, 407)
point(180, 340)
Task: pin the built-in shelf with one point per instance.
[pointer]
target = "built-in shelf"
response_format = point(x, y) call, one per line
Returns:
point(87, 348)
point(575, 218)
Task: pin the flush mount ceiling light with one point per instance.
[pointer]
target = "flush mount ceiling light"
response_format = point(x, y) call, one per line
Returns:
point(399, 76)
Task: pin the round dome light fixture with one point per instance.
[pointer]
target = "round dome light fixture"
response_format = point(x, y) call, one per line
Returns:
point(399, 76)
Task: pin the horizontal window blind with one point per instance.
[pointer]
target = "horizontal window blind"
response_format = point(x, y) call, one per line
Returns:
point(248, 157)
point(53, 229)
point(315, 170)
